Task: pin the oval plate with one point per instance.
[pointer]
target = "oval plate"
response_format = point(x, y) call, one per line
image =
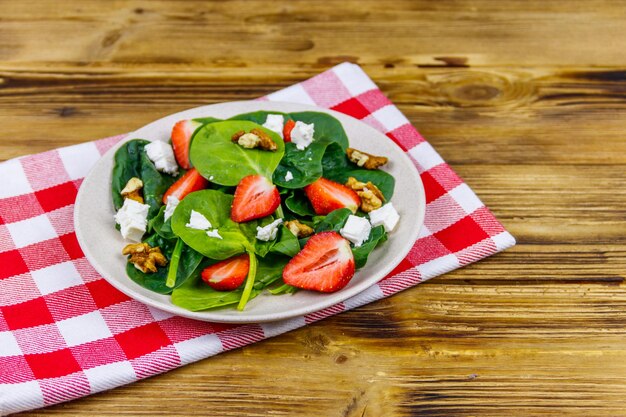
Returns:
point(102, 243)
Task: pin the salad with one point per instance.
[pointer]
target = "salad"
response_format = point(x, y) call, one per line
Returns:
point(263, 201)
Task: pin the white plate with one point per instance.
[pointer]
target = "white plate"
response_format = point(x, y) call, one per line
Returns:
point(102, 243)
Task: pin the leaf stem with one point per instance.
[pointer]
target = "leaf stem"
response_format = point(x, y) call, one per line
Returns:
point(279, 211)
point(173, 269)
point(247, 289)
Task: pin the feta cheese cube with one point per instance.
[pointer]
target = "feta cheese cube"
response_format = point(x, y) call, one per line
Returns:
point(302, 135)
point(386, 215)
point(275, 122)
point(288, 176)
point(162, 155)
point(214, 233)
point(133, 219)
point(198, 221)
point(172, 203)
point(356, 230)
point(267, 233)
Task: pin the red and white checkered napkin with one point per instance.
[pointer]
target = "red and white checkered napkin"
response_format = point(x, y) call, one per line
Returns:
point(66, 333)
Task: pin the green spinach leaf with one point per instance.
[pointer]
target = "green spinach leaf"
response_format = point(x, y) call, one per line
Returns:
point(299, 204)
point(377, 236)
point(215, 155)
point(287, 243)
point(155, 184)
point(327, 128)
point(215, 206)
point(337, 167)
point(334, 221)
point(258, 117)
point(305, 166)
point(161, 227)
point(195, 295)
point(127, 164)
point(188, 262)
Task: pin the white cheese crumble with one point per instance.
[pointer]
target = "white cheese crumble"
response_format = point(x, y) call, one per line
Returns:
point(275, 123)
point(198, 221)
point(302, 135)
point(133, 219)
point(267, 233)
point(386, 215)
point(288, 176)
point(213, 233)
point(172, 203)
point(162, 155)
point(356, 230)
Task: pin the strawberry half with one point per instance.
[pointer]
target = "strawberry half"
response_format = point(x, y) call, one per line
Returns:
point(188, 183)
point(325, 264)
point(228, 274)
point(289, 125)
point(255, 197)
point(326, 196)
point(181, 139)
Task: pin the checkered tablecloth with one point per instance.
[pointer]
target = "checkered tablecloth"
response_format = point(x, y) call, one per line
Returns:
point(66, 333)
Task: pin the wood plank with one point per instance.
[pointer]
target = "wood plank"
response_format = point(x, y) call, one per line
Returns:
point(245, 33)
point(471, 116)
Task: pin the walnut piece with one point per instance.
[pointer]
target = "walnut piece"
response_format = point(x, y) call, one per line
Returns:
point(371, 197)
point(365, 160)
point(132, 189)
point(255, 139)
point(144, 257)
point(299, 229)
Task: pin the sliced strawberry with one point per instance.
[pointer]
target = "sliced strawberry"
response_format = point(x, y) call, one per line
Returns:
point(289, 125)
point(227, 274)
point(255, 197)
point(181, 138)
point(325, 264)
point(188, 183)
point(326, 196)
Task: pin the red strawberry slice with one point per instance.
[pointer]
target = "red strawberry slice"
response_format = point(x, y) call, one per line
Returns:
point(255, 197)
point(228, 274)
point(289, 125)
point(181, 139)
point(188, 183)
point(326, 196)
point(325, 264)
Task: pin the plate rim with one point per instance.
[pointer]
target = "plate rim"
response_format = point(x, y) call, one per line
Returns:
point(214, 315)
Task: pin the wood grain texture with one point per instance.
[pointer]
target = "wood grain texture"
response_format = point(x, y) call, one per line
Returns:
point(525, 99)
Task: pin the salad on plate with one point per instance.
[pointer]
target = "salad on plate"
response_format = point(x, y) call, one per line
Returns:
point(263, 201)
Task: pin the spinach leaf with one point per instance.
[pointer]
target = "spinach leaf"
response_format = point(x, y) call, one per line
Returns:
point(334, 221)
point(195, 295)
point(215, 206)
point(377, 236)
point(305, 166)
point(155, 185)
point(337, 167)
point(283, 289)
point(161, 227)
point(299, 204)
point(206, 120)
point(327, 128)
point(215, 155)
point(287, 243)
point(189, 261)
point(258, 117)
point(127, 164)
point(261, 247)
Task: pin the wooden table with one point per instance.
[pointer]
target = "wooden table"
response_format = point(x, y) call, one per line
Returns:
point(526, 100)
